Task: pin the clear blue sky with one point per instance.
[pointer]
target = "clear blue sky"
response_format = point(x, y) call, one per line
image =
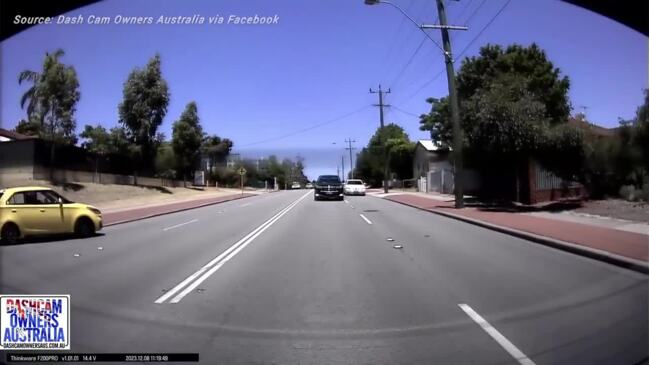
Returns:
point(253, 83)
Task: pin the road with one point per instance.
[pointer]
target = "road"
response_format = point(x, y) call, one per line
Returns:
point(280, 278)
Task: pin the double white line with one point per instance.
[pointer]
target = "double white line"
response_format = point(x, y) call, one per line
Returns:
point(211, 267)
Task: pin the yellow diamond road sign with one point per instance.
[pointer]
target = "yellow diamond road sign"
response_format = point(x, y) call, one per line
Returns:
point(242, 171)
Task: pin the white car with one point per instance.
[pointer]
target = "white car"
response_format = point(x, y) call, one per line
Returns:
point(296, 185)
point(354, 187)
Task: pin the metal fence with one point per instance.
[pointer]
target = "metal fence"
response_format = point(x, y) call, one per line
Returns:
point(546, 180)
point(441, 181)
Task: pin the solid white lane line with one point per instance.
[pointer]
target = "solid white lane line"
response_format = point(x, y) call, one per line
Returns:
point(232, 248)
point(180, 225)
point(502, 340)
point(245, 205)
point(365, 218)
point(227, 258)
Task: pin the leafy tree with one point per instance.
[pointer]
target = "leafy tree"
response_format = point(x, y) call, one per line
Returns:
point(119, 140)
point(216, 149)
point(51, 100)
point(370, 161)
point(186, 140)
point(530, 70)
point(641, 138)
point(144, 106)
point(514, 107)
point(96, 139)
point(52, 97)
point(165, 161)
point(29, 128)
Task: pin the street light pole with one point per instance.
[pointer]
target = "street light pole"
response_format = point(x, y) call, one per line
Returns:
point(452, 92)
point(455, 110)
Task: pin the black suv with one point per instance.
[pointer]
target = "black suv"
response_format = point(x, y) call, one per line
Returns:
point(328, 187)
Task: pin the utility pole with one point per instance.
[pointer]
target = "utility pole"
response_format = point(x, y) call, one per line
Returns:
point(385, 149)
point(452, 96)
point(351, 161)
point(342, 161)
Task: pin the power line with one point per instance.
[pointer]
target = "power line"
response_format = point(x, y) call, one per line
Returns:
point(424, 85)
point(463, 50)
point(464, 10)
point(314, 126)
point(483, 29)
point(475, 11)
point(405, 111)
point(391, 58)
point(412, 57)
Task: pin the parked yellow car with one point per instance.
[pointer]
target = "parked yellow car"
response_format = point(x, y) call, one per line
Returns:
point(35, 211)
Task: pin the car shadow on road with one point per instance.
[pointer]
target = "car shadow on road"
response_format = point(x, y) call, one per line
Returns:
point(49, 239)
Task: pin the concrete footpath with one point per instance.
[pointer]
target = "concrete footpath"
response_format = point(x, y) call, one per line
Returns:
point(622, 248)
point(141, 212)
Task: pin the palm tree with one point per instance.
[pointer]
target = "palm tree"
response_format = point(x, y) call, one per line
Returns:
point(36, 97)
point(52, 98)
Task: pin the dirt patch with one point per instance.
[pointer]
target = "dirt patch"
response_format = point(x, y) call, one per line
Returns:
point(114, 197)
point(616, 208)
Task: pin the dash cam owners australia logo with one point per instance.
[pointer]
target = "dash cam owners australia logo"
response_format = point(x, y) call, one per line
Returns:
point(30, 322)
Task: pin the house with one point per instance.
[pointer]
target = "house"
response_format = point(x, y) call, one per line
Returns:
point(435, 171)
point(433, 168)
point(8, 136)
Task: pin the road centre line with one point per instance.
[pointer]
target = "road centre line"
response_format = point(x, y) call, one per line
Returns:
point(208, 269)
point(180, 225)
point(365, 218)
point(346, 201)
point(502, 340)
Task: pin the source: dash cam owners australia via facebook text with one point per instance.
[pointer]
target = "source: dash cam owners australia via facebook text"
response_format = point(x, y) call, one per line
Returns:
point(194, 19)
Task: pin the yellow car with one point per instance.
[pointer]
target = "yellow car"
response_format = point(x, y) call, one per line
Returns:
point(35, 211)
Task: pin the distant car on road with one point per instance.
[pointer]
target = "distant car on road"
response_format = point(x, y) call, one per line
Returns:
point(328, 187)
point(296, 185)
point(354, 187)
point(37, 211)
point(309, 186)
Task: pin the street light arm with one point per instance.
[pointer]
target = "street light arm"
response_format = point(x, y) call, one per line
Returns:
point(412, 20)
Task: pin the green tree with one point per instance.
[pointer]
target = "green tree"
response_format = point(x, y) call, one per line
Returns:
point(52, 97)
point(216, 149)
point(165, 161)
point(97, 141)
point(119, 141)
point(186, 140)
point(641, 138)
point(29, 128)
point(514, 107)
point(144, 106)
point(370, 161)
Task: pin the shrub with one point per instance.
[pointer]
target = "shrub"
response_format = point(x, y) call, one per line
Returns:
point(644, 193)
point(628, 192)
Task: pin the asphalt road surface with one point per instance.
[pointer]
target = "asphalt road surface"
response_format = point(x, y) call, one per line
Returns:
point(280, 278)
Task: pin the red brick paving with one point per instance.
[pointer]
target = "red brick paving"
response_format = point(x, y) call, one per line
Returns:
point(627, 244)
point(146, 212)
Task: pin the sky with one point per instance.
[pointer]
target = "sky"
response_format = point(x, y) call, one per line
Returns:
point(301, 85)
